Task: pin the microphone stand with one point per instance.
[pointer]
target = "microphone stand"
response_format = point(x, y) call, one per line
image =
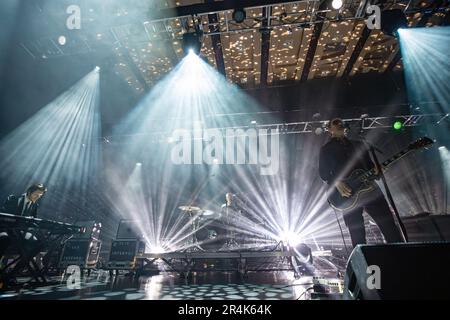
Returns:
point(386, 187)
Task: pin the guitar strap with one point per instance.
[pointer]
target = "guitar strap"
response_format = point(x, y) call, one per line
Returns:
point(388, 193)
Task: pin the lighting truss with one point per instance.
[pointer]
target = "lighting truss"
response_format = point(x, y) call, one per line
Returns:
point(166, 27)
point(302, 127)
point(351, 10)
point(47, 47)
point(305, 18)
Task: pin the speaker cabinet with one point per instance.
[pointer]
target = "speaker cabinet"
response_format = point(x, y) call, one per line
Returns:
point(124, 253)
point(406, 271)
point(128, 230)
point(83, 253)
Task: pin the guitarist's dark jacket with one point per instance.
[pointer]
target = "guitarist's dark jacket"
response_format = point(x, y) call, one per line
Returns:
point(339, 157)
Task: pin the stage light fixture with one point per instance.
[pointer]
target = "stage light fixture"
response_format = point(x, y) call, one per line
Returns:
point(398, 125)
point(239, 15)
point(441, 148)
point(62, 40)
point(336, 4)
point(138, 164)
point(303, 253)
point(392, 21)
point(191, 43)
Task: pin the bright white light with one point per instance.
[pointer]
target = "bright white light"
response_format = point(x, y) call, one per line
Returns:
point(191, 78)
point(291, 238)
point(424, 55)
point(216, 161)
point(441, 148)
point(138, 164)
point(253, 122)
point(62, 40)
point(336, 4)
point(157, 249)
point(97, 68)
point(171, 140)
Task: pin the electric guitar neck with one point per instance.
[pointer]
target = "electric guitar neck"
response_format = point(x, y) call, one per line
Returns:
point(360, 181)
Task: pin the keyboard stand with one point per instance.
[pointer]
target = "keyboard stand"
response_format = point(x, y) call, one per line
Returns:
point(27, 251)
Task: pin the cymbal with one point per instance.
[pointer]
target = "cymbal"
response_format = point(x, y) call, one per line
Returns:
point(189, 208)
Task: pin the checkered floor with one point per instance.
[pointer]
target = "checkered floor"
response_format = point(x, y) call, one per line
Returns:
point(169, 286)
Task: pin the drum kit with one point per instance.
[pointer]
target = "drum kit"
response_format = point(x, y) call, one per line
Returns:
point(211, 231)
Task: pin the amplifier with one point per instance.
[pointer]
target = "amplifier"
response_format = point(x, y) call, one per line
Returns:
point(128, 230)
point(124, 252)
point(80, 252)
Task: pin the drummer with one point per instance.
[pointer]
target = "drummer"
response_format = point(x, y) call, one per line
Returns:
point(230, 209)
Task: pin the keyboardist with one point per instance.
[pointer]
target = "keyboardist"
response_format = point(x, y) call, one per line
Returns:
point(27, 203)
point(24, 205)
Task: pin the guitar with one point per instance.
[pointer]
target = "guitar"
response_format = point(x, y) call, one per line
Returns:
point(362, 181)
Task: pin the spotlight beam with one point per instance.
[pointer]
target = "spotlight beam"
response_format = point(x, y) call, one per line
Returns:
point(56, 145)
point(422, 22)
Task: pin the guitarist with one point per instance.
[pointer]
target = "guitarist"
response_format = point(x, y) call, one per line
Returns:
point(338, 158)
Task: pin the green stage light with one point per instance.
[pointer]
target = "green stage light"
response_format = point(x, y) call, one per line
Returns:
point(398, 125)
